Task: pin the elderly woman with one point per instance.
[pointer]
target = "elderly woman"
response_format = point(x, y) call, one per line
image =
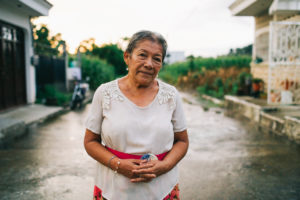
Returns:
point(136, 128)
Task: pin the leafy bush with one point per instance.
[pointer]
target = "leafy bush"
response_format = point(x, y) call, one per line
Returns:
point(223, 62)
point(51, 96)
point(97, 70)
point(215, 90)
point(113, 55)
point(244, 83)
point(171, 73)
point(212, 76)
point(203, 89)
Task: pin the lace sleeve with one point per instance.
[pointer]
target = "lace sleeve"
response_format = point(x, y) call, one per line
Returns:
point(94, 119)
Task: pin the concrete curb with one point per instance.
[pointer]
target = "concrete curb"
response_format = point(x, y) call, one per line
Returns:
point(11, 131)
point(236, 106)
point(15, 123)
point(212, 99)
point(265, 117)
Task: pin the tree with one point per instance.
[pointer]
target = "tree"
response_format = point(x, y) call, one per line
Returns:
point(113, 55)
point(191, 59)
point(44, 44)
point(87, 46)
point(247, 50)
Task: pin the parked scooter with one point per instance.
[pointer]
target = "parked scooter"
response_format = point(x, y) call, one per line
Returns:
point(77, 97)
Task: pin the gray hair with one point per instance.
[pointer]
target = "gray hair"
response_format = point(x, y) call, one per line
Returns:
point(147, 35)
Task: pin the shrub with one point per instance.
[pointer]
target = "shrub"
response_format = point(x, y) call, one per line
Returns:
point(51, 96)
point(171, 73)
point(222, 62)
point(97, 70)
point(202, 89)
point(113, 55)
point(212, 76)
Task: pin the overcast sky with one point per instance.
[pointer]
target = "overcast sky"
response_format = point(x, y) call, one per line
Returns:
point(199, 27)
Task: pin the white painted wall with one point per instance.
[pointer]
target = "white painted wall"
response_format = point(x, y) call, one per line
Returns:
point(20, 16)
point(13, 16)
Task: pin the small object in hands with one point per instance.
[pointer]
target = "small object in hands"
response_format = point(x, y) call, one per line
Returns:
point(149, 156)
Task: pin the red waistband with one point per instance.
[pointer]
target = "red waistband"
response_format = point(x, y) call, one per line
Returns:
point(131, 156)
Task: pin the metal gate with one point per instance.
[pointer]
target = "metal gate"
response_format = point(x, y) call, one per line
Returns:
point(50, 71)
point(12, 66)
point(284, 63)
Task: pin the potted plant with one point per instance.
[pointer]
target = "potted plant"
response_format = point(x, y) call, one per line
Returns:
point(256, 87)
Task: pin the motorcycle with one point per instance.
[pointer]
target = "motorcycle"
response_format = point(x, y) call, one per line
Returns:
point(77, 97)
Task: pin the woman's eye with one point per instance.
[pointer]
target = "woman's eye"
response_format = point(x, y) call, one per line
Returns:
point(157, 59)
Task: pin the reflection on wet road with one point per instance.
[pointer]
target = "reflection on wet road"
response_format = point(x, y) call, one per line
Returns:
point(230, 159)
point(49, 163)
point(227, 159)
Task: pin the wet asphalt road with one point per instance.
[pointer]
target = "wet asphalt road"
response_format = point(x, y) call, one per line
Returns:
point(227, 159)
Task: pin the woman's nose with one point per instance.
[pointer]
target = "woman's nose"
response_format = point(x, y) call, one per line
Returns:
point(149, 63)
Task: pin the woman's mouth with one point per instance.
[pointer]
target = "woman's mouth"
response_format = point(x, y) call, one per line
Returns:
point(147, 73)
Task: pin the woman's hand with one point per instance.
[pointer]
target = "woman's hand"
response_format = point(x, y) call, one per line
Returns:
point(127, 166)
point(177, 152)
point(154, 169)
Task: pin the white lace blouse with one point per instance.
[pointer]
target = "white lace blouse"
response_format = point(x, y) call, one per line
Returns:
point(128, 128)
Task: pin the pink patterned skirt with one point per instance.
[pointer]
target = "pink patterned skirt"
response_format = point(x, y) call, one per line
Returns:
point(173, 195)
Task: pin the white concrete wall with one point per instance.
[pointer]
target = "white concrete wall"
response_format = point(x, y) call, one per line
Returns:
point(18, 18)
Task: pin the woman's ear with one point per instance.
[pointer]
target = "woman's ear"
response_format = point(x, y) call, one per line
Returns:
point(126, 56)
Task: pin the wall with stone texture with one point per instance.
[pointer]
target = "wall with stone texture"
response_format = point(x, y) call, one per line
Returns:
point(280, 74)
point(261, 71)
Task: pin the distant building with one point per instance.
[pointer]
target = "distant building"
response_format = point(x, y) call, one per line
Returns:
point(276, 49)
point(17, 73)
point(174, 56)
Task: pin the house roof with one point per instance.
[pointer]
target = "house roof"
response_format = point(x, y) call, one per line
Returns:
point(48, 3)
point(249, 7)
point(285, 7)
point(33, 8)
point(256, 7)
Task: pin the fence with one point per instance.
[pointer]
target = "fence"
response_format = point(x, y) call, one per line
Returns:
point(284, 63)
point(51, 70)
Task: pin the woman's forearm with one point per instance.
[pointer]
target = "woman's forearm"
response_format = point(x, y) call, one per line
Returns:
point(95, 149)
point(178, 150)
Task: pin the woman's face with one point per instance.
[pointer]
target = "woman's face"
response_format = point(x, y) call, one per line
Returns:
point(144, 62)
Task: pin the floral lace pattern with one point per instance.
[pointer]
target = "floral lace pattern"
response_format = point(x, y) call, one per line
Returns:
point(166, 95)
point(111, 92)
